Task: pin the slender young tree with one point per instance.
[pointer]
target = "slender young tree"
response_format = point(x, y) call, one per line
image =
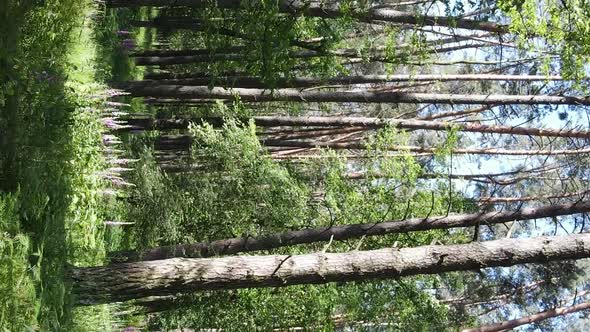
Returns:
point(511, 324)
point(147, 123)
point(492, 200)
point(374, 55)
point(465, 301)
point(184, 142)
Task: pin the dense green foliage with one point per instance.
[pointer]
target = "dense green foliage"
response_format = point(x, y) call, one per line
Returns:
point(237, 190)
point(268, 40)
point(393, 305)
point(61, 203)
point(240, 192)
point(553, 28)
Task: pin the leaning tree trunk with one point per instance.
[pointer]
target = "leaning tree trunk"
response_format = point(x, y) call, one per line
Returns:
point(319, 9)
point(126, 281)
point(343, 232)
point(262, 95)
point(511, 324)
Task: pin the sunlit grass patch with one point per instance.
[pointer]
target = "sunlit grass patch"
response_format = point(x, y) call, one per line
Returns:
point(85, 216)
point(18, 303)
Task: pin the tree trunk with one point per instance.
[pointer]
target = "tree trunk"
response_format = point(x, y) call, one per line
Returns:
point(459, 114)
point(359, 122)
point(191, 52)
point(317, 9)
point(345, 52)
point(374, 55)
point(185, 141)
point(465, 301)
point(181, 102)
point(155, 304)
point(480, 178)
point(202, 74)
point(343, 232)
point(262, 95)
point(121, 282)
point(469, 177)
point(307, 82)
point(314, 133)
point(510, 324)
point(188, 23)
point(176, 142)
point(512, 199)
point(422, 149)
point(211, 57)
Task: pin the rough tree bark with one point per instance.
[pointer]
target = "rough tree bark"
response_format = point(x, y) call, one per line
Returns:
point(510, 324)
point(126, 281)
point(481, 178)
point(343, 232)
point(262, 95)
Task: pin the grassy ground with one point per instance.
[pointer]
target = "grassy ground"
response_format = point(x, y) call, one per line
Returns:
point(52, 209)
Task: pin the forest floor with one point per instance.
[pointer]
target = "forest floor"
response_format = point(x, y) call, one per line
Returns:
point(54, 62)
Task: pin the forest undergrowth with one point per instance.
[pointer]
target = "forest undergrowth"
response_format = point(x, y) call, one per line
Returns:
point(54, 195)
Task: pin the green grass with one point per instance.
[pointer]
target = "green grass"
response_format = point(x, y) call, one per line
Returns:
point(119, 66)
point(115, 64)
point(51, 207)
point(17, 290)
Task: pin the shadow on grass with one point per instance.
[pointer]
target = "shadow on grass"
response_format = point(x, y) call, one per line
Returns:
point(51, 208)
point(38, 174)
point(51, 211)
point(116, 38)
